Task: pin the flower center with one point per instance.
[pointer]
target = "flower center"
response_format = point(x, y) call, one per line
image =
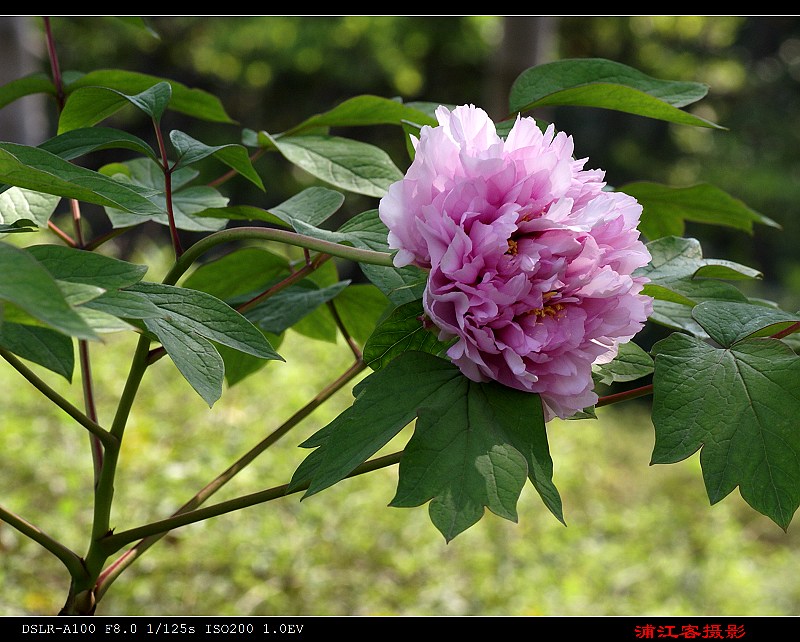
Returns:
point(547, 310)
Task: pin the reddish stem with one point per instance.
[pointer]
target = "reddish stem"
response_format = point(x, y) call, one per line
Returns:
point(51, 52)
point(173, 230)
point(786, 331)
point(624, 396)
point(294, 277)
point(61, 234)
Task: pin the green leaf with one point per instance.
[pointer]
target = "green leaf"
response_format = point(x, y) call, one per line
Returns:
point(365, 110)
point(234, 156)
point(207, 316)
point(192, 102)
point(186, 201)
point(674, 271)
point(189, 320)
point(360, 307)
point(281, 311)
point(729, 322)
point(594, 82)
point(242, 271)
point(79, 293)
point(631, 363)
point(87, 106)
point(476, 450)
point(739, 406)
point(21, 225)
point(124, 304)
point(666, 209)
point(28, 285)
point(44, 346)
point(38, 170)
point(195, 357)
point(18, 205)
point(348, 164)
point(313, 206)
point(37, 83)
point(80, 266)
point(488, 438)
point(403, 330)
point(77, 142)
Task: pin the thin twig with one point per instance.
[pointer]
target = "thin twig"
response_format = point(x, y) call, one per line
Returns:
point(68, 558)
point(93, 427)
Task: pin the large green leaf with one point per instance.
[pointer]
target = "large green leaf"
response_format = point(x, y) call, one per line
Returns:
point(39, 170)
point(348, 164)
point(80, 266)
point(488, 438)
point(313, 206)
point(87, 106)
point(77, 142)
point(191, 151)
point(365, 110)
point(739, 406)
point(25, 283)
point(195, 357)
point(19, 205)
point(44, 346)
point(666, 209)
point(594, 82)
point(476, 449)
point(403, 330)
point(124, 304)
point(192, 102)
point(189, 321)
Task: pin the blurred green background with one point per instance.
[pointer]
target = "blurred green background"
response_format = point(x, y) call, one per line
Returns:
point(640, 539)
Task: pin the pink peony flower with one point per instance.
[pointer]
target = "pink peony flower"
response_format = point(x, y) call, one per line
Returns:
point(530, 260)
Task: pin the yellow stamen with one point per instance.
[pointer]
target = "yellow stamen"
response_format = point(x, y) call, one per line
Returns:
point(512, 247)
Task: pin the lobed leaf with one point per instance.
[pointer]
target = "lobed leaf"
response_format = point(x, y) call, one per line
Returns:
point(403, 330)
point(728, 322)
point(739, 407)
point(473, 446)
